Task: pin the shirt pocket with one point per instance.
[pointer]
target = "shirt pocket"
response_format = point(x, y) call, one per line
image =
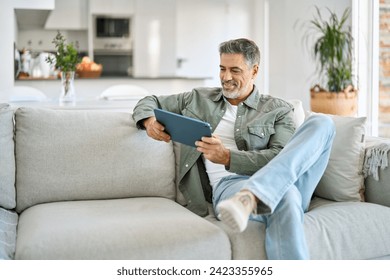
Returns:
point(191, 113)
point(259, 136)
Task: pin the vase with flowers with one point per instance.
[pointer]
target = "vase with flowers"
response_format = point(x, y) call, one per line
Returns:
point(65, 60)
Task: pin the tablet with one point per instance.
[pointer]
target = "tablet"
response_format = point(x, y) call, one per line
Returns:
point(183, 129)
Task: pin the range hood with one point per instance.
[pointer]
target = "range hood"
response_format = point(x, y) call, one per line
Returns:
point(31, 19)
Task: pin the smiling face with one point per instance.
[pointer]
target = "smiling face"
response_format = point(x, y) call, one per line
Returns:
point(237, 77)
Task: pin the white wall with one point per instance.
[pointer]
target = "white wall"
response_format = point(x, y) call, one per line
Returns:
point(200, 30)
point(291, 67)
point(6, 48)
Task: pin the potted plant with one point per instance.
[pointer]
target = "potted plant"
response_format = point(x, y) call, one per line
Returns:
point(333, 52)
point(65, 60)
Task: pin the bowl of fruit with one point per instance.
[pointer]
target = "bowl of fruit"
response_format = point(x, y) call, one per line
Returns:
point(88, 69)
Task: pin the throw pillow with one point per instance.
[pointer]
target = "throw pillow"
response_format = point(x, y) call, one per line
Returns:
point(299, 113)
point(64, 155)
point(343, 178)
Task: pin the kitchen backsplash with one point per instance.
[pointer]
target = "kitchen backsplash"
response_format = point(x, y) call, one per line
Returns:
point(41, 40)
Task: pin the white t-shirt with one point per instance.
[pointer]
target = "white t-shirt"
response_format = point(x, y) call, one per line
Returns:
point(225, 131)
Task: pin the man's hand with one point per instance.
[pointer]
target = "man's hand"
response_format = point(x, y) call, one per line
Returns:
point(213, 150)
point(155, 130)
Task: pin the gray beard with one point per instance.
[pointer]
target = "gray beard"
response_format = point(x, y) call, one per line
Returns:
point(234, 94)
point(231, 95)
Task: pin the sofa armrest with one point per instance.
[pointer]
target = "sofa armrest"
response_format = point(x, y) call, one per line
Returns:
point(377, 171)
point(8, 224)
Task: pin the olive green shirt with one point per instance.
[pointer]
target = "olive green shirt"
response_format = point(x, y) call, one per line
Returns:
point(263, 126)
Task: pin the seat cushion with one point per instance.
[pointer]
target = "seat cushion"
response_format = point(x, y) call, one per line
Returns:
point(347, 230)
point(246, 245)
point(64, 155)
point(334, 230)
point(134, 228)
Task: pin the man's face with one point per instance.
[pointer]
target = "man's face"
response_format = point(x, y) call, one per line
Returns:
point(236, 77)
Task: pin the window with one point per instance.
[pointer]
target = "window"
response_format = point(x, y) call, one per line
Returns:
point(384, 69)
point(366, 34)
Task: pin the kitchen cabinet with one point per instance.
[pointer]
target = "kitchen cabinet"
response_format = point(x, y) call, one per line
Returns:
point(68, 15)
point(113, 7)
point(154, 38)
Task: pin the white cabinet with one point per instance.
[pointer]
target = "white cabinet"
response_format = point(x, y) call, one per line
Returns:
point(68, 15)
point(116, 7)
point(154, 38)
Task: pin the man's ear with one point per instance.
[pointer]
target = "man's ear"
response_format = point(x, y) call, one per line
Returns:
point(255, 70)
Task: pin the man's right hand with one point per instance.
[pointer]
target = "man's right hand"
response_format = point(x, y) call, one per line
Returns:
point(155, 130)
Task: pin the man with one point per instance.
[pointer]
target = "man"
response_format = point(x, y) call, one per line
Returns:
point(258, 167)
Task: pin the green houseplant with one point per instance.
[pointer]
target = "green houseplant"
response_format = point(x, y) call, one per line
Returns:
point(332, 50)
point(65, 60)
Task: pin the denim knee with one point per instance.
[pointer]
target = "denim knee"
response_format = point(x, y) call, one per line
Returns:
point(322, 122)
point(291, 201)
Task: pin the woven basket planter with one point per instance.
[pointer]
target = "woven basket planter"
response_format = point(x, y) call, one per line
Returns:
point(342, 103)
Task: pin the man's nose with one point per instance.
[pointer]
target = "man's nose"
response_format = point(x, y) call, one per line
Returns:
point(226, 76)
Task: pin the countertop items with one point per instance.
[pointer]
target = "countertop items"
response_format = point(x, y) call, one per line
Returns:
point(34, 66)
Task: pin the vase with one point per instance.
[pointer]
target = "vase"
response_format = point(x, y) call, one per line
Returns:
point(68, 94)
point(343, 103)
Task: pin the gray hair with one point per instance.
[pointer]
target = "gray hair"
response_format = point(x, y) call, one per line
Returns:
point(243, 46)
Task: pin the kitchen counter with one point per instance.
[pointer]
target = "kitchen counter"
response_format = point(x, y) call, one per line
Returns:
point(115, 77)
point(91, 88)
point(82, 104)
point(36, 78)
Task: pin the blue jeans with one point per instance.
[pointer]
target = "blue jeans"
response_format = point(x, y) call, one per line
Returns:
point(285, 187)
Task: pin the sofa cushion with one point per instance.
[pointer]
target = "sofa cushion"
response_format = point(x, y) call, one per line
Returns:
point(347, 230)
point(246, 245)
point(8, 223)
point(77, 155)
point(334, 230)
point(133, 228)
point(7, 158)
point(343, 178)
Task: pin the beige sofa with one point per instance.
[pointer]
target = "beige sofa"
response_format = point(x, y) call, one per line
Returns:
point(89, 185)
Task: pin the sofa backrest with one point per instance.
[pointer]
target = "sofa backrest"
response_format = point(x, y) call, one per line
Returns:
point(76, 155)
point(7, 159)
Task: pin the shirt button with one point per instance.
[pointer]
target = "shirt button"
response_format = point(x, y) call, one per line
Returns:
point(262, 135)
point(237, 129)
point(186, 165)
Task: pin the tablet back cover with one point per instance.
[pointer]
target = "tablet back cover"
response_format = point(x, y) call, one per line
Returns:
point(183, 129)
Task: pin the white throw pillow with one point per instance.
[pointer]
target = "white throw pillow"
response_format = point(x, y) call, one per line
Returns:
point(299, 113)
point(343, 179)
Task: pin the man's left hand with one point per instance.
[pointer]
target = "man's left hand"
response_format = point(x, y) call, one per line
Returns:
point(213, 150)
